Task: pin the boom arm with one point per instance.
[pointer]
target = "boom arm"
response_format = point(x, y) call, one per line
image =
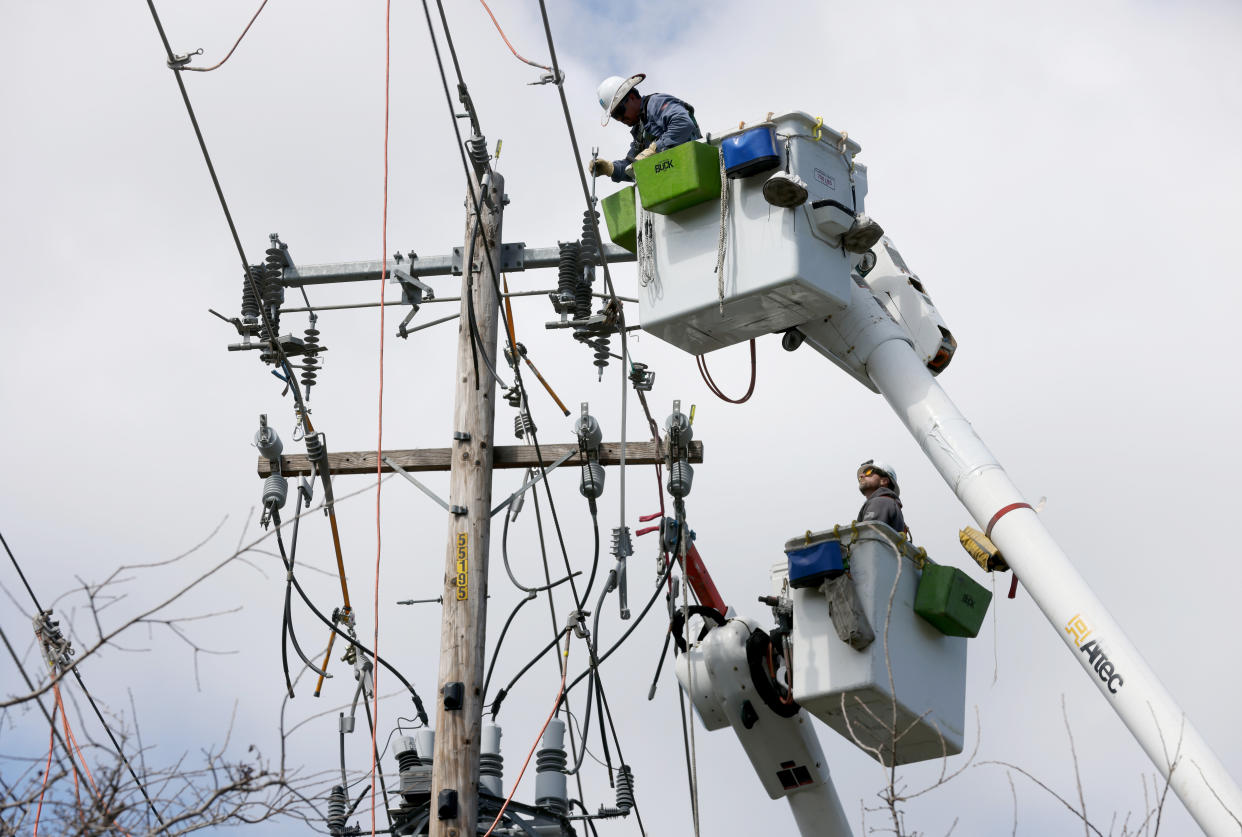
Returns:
point(869, 343)
point(782, 747)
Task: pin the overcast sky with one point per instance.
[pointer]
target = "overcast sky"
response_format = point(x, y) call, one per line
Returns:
point(1063, 177)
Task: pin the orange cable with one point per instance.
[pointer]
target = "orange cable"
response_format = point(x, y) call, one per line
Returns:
point(506, 40)
point(51, 745)
point(64, 717)
point(551, 715)
point(379, 442)
point(231, 51)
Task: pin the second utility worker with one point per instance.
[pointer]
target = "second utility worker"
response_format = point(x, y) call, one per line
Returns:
point(657, 123)
point(877, 482)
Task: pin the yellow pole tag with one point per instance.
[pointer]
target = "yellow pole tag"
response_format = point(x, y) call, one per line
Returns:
point(463, 564)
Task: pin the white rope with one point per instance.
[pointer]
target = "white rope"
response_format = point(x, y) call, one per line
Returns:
point(723, 239)
point(646, 248)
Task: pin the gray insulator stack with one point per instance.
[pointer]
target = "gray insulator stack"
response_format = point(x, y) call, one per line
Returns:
point(491, 762)
point(625, 787)
point(590, 258)
point(310, 365)
point(275, 491)
point(314, 447)
point(476, 148)
point(550, 778)
point(250, 299)
point(590, 435)
point(568, 271)
point(590, 244)
point(338, 804)
point(523, 424)
point(415, 776)
point(680, 478)
point(592, 485)
point(680, 474)
point(267, 440)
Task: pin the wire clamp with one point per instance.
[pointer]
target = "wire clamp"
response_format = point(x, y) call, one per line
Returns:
point(179, 61)
point(459, 511)
point(548, 78)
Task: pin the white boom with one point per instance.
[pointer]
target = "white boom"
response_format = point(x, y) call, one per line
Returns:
point(784, 751)
point(870, 344)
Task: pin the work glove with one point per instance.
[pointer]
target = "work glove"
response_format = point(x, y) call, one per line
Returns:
point(645, 153)
point(601, 167)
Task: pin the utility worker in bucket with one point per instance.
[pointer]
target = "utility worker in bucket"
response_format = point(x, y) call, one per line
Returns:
point(657, 123)
point(877, 481)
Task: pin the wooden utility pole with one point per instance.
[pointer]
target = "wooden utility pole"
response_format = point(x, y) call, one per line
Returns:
point(459, 704)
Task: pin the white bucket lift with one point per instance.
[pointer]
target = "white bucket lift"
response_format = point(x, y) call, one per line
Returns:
point(833, 681)
point(782, 266)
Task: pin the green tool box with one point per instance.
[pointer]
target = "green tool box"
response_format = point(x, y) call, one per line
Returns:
point(951, 600)
point(679, 178)
point(619, 215)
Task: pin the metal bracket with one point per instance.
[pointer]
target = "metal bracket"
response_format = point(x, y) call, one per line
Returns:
point(512, 258)
point(420, 486)
point(526, 485)
point(413, 292)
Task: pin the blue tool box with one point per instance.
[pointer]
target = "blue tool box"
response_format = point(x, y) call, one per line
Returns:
point(750, 152)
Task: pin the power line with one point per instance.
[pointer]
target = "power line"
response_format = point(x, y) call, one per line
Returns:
point(231, 51)
point(116, 744)
point(176, 65)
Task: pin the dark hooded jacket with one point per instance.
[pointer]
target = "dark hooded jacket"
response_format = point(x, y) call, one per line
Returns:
point(883, 506)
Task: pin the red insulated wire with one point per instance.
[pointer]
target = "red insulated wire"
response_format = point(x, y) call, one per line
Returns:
point(235, 45)
point(64, 717)
point(51, 745)
point(701, 360)
point(379, 442)
point(506, 40)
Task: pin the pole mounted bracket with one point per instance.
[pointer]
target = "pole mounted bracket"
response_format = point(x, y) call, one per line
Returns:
point(446, 804)
point(454, 695)
point(512, 258)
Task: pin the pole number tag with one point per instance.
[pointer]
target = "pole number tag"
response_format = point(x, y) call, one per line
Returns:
point(463, 559)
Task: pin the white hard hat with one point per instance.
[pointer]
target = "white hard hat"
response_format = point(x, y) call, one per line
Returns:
point(613, 89)
point(884, 468)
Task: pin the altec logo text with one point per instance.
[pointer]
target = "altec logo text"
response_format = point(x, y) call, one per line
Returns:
point(1094, 651)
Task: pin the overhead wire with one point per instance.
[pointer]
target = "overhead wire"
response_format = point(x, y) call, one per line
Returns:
point(379, 441)
point(506, 40)
point(353, 641)
point(90, 698)
point(231, 51)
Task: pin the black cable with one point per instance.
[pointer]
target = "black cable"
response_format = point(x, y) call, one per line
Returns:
point(503, 631)
point(595, 560)
point(587, 819)
point(90, 699)
point(379, 768)
point(504, 552)
point(500, 696)
point(418, 702)
point(646, 609)
point(39, 700)
point(288, 615)
point(228, 217)
point(559, 79)
point(685, 743)
point(477, 201)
